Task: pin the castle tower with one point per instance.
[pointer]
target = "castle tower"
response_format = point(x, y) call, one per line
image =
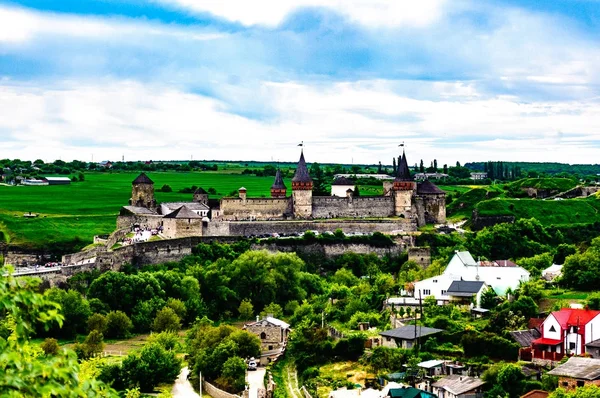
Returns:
point(404, 188)
point(142, 192)
point(302, 186)
point(201, 196)
point(278, 189)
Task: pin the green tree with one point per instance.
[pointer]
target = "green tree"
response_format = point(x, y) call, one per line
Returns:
point(75, 309)
point(118, 324)
point(582, 270)
point(178, 307)
point(94, 343)
point(167, 340)
point(166, 320)
point(589, 391)
point(97, 322)
point(246, 309)
point(233, 376)
point(319, 183)
point(166, 188)
point(272, 309)
point(512, 380)
point(150, 367)
point(489, 299)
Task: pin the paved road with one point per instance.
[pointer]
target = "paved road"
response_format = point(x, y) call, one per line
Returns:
point(255, 381)
point(182, 387)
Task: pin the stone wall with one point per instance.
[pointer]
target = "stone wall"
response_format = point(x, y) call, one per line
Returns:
point(83, 257)
point(271, 336)
point(420, 255)
point(182, 227)
point(570, 384)
point(150, 221)
point(578, 192)
point(256, 208)
point(336, 207)
point(351, 226)
point(216, 392)
point(331, 250)
point(434, 207)
point(479, 222)
point(18, 259)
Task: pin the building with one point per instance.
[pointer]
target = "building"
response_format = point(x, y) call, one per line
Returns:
point(457, 386)
point(433, 367)
point(341, 185)
point(466, 292)
point(536, 394)
point(577, 372)
point(552, 272)
point(430, 176)
point(478, 176)
point(405, 202)
point(182, 222)
point(407, 336)
point(57, 180)
point(409, 392)
point(272, 332)
point(568, 331)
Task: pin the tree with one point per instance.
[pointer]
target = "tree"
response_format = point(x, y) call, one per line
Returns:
point(97, 322)
point(152, 366)
point(593, 301)
point(167, 340)
point(166, 320)
point(94, 343)
point(394, 165)
point(50, 346)
point(166, 188)
point(511, 379)
point(421, 167)
point(435, 166)
point(272, 309)
point(118, 324)
point(75, 309)
point(589, 391)
point(178, 307)
point(319, 184)
point(445, 169)
point(233, 376)
point(489, 299)
point(246, 309)
point(25, 370)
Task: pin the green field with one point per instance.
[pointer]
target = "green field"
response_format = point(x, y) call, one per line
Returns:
point(551, 183)
point(84, 209)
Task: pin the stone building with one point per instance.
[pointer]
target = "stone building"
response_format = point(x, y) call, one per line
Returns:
point(404, 201)
point(272, 332)
point(577, 372)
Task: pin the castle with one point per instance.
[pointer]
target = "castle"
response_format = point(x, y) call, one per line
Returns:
point(405, 203)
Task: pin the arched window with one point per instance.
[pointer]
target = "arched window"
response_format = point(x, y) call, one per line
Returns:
point(263, 336)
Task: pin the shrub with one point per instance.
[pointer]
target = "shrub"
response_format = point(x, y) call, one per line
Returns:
point(118, 324)
point(97, 322)
point(166, 320)
point(50, 346)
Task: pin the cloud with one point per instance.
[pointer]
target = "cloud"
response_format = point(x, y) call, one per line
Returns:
point(340, 122)
point(387, 13)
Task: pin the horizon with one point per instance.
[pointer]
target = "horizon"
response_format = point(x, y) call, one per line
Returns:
point(466, 80)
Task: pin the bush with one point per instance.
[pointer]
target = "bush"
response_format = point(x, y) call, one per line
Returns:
point(50, 346)
point(167, 340)
point(150, 367)
point(118, 324)
point(166, 188)
point(97, 322)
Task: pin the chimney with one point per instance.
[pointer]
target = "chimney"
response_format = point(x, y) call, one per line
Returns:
point(257, 318)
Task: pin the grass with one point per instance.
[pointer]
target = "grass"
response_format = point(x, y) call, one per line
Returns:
point(553, 184)
point(548, 212)
point(84, 209)
point(464, 205)
point(332, 374)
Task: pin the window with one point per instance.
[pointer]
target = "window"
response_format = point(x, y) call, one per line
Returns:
point(565, 383)
point(263, 336)
point(426, 292)
point(444, 292)
point(435, 281)
point(552, 329)
point(580, 383)
point(571, 346)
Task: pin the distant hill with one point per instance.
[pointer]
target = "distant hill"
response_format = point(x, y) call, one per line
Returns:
point(551, 184)
point(549, 168)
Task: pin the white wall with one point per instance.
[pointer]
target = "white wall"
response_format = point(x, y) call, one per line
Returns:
point(435, 286)
point(592, 330)
point(340, 190)
point(548, 324)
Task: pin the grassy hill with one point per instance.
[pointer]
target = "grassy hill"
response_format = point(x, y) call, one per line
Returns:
point(462, 205)
point(548, 212)
point(552, 184)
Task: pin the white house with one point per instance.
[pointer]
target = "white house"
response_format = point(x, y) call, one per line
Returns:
point(341, 185)
point(552, 272)
point(499, 275)
point(200, 209)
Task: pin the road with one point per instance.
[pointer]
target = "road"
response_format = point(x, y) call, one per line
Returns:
point(182, 387)
point(255, 381)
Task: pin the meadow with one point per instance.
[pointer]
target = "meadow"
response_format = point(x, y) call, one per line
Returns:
point(75, 213)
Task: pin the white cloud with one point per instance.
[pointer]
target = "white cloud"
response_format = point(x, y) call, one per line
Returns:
point(367, 12)
point(343, 122)
point(19, 25)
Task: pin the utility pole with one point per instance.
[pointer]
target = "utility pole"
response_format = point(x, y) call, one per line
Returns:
point(200, 382)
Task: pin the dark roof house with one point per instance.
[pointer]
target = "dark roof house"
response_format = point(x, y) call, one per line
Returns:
point(405, 336)
point(143, 179)
point(342, 181)
point(428, 188)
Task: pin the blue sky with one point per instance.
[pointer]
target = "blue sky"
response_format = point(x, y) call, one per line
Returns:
point(228, 79)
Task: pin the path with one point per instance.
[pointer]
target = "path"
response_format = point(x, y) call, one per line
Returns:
point(255, 381)
point(182, 387)
point(291, 379)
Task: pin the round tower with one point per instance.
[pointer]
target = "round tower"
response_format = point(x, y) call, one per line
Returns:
point(142, 192)
point(278, 189)
point(302, 186)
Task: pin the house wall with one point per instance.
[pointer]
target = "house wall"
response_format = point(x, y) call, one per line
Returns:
point(335, 207)
point(570, 384)
point(255, 208)
point(436, 286)
point(302, 203)
point(142, 195)
point(548, 324)
point(574, 339)
point(388, 342)
point(182, 227)
point(274, 335)
point(592, 330)
point(340, 190)
point(420, 255)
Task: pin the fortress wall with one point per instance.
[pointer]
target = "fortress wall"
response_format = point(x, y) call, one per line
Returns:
point(177, 227)
point(82, 257)
point(242, 228)
point(335, 207)
point(434, 207)
point(151, 221)
point(216, 228)
point(332, 250)
point(255, 208)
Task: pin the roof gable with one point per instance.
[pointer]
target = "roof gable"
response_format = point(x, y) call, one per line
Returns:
point(183, 212)
point(409, 332)
point(278, 183)
point(428, 188)
point(143, 179)
point(302, 174)
point(573, 317)
point(465, 287)
point(578, 368)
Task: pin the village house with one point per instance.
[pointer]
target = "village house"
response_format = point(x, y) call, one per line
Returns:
point(457, 386)
point(569, 331)
point(466, 292)
point(536, 394)
point(577, 372)
point(341, 185)
point(407, 336)
point(272, 332)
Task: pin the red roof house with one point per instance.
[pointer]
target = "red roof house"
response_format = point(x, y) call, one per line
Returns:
point(566, 332)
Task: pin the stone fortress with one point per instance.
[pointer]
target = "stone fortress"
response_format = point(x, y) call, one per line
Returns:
point(404, 206)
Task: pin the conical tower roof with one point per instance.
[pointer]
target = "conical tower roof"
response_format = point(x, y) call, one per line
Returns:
point(278, 184)
point(403, 173)
point(183, 212)
point(143, 179)
point(302, 174)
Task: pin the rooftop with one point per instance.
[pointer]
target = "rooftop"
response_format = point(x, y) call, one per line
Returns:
point(274, 321)
point(410, 332)
point(578, 368)
point(403, 173)
point(457, 385)
point(525, 337)
point(464, 287)
point(190, 205)
point(302, 174)
point(278, 183)
point(428, 188)
point(342, 181)
point(143, 179)
point(574, 317)
point(183, 212)
point(129, 210)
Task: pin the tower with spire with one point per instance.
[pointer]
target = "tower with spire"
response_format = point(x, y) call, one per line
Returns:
point(302, 186)
point(404, 188)
point(278, 189)
point(142, 192)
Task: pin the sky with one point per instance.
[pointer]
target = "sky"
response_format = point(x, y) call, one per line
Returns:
point(454, 80)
